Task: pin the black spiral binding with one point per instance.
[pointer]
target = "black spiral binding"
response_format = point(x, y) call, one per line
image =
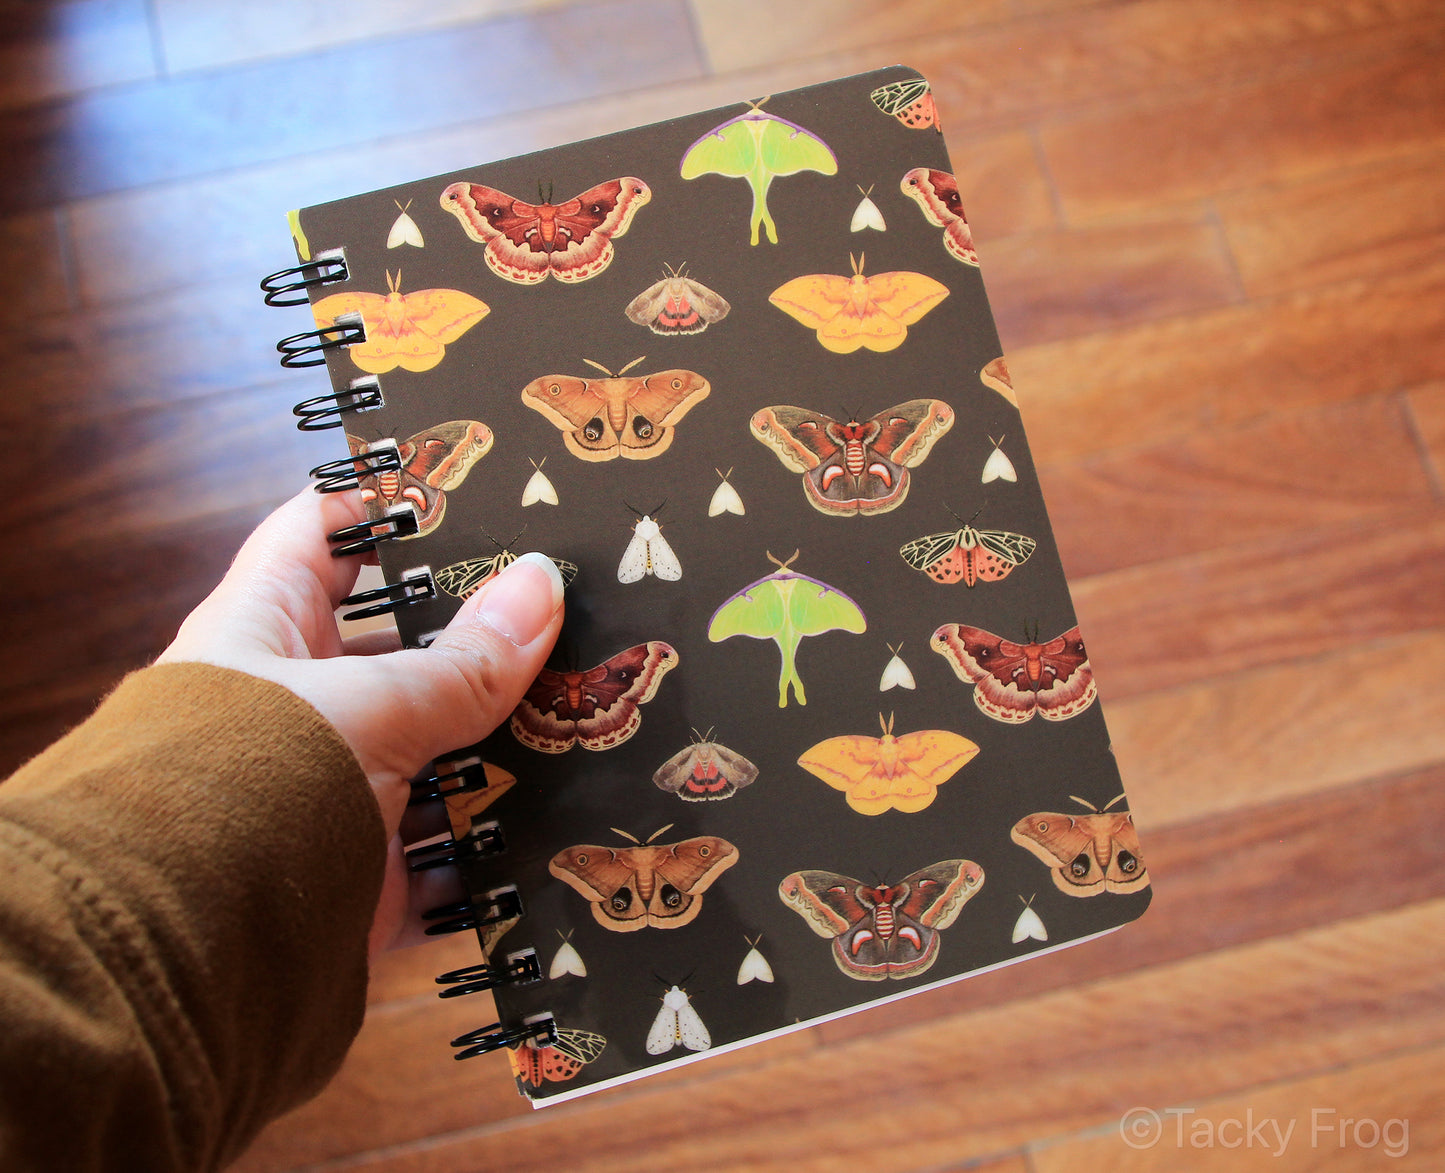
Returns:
point(416, 586)
point(492, 1038)
point(469, 774)
point(520, 969)
point(506, 903)
point(281, 289)
point(367, 535)
point(347, 330)
point(336, 476)
point(324, 411)
point(485, 839)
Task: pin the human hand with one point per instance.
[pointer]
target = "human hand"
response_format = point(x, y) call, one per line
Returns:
point(273, 616)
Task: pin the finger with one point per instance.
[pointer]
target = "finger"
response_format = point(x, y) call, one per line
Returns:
point(292, 540)
point(372, 643)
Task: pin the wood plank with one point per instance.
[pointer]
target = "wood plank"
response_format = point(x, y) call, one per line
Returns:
point(57, 50)
point(1233, 608)
point(1427, 408)
point(194, 37)
point(985, 1082)
point(1290, 730)
point(1288, 126)
point(1256, 481)
point(216, 120)
point(33, 280)
point(1398, 1095)
point(34, 713)
point(1370, 220)
point(1209, 876)
point(1165, 380)
point(1057, 284)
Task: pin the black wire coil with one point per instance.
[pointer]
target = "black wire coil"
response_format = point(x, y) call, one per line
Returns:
point(280, 289)
point(296, 348)
point(464, 914)
point(324, 411)
point(365, 536)
point(337, 476)
point(470, 776)
point(416, 587)
point(494, 1037)
point(484, 840)
point(523, 968)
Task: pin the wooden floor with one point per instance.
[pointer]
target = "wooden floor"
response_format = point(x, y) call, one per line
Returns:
point(1213, 232)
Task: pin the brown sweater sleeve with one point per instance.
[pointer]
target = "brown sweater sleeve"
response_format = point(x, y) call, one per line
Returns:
point(188, 880)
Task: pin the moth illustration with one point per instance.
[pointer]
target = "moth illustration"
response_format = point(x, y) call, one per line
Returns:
point(648, 553)
point(910, 101)
point(854, 467)
point(535, 1063)
point(677, 1025)
point(998, 467)
point(433, 462)
point(407, 330)
point(463, 806)
point(866, 214)
point(1015, 681)
point(936, 192)
point(652, 884)
point(725, 498)
point(567, 960)
point(889, 931)
point(785, 607)
point(404, 229)
point(889, 773)
point(849, 312)
point(896, 673)
point(967, 555)
point(468, 576)
point(996, 376)
point(538, 487)
point(1087, 855)
point(630, 417)
point(755, 967)
point(677, 305)
point(596, 708)
point(1029, 926)
point(526, 243)
point(758, 147)
point(706, 770)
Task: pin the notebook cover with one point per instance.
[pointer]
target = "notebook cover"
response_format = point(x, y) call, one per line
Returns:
point(662, 893)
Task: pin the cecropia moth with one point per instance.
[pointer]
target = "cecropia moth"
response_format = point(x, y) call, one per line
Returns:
point(407, 330)
point(526, 243)
point(630, 417)
point(652, 884)
point(936, 192)
point(854, 467)
point(596, 708)
point(884, 932)
point(1013, 681)
point(849, 312)
point(1087, 855)
point(433, 462)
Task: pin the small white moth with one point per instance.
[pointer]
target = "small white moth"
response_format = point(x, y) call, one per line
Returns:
point(725, 498)
point(755, 967)
point(998, 466)
point(403, 229)
point(567, 960)
point(677, 1023)
point(867, 215)
point(648, 553)
point(896, 673)
point(1029, 924)
point(539, 488)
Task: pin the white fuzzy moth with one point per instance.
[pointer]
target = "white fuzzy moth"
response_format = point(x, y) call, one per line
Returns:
point(677, 1024)
point(648, 553)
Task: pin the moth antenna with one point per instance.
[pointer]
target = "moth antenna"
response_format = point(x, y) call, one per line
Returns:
point(515, 538)
point(867, 193)
point(881, 724)
point(783, 565)
point(1112, 801)
point(708, 737)
point(658, 832)
point(756, 105)
point(625, 835)
point(632, 364)
point(1087, 803)
point(998, 442)
point(668, 269)
point(633, 509)
point(1029, 902)
point(536, 465)
point(398, 203)
point(600, 367)
point(658, 510)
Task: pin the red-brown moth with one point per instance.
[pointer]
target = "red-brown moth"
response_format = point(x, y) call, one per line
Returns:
point(884, 932)
point(854, 468)
point(1087, 855)
point(936, 192)
point(677, 304)
point(596, 708)
point(652, 884)
point(433, 461)
point(571, 241)
point(535, 1063)
point(1015, 681)
point(705, 770)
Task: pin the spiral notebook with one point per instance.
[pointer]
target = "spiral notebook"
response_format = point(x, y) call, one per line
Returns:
point(821, 730)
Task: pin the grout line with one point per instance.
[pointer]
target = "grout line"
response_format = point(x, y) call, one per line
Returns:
point(158, 45)
point(1041, 160)
point(1417, 437)
point(65, 250)
point(1231, 258)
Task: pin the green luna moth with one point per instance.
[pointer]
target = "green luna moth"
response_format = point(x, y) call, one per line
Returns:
point(784, 607)
point(757, 146)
